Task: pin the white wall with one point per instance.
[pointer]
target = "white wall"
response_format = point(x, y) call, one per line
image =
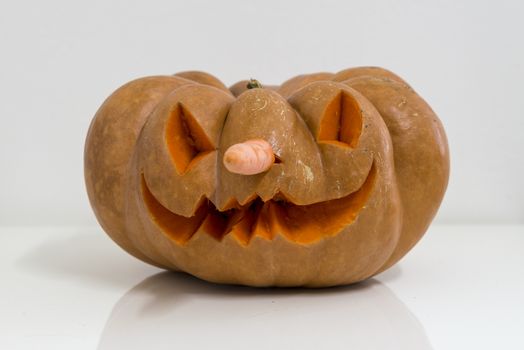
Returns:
point(60, 59)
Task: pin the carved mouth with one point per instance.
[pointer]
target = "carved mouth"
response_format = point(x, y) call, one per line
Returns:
point(302, 224)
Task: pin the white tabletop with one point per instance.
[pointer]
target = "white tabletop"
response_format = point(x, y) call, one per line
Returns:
point(462, 287)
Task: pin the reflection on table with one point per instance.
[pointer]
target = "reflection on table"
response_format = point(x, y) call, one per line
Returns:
point(174, 310)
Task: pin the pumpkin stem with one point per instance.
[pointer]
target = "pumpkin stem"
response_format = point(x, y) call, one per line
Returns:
point(254, 84)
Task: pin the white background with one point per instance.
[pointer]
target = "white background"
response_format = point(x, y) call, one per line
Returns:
point(70, 288)
point(60, 59)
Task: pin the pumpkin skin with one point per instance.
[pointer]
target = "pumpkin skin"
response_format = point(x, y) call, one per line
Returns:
point(362, 167)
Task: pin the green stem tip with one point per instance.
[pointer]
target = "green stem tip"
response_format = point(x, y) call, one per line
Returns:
point(254, 84)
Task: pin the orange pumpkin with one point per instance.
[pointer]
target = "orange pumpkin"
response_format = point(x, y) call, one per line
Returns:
point(355, 165)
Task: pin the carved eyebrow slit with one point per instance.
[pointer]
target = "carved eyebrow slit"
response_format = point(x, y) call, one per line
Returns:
point(186, 140)
point(342, 121)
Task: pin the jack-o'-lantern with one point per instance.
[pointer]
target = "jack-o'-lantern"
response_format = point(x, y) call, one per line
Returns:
point(325, 180)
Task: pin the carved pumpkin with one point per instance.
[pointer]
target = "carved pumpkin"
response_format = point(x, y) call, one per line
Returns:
point(357, 167)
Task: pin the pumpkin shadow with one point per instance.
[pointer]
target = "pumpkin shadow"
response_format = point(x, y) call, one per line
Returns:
point(84, 255)
point(170, 310)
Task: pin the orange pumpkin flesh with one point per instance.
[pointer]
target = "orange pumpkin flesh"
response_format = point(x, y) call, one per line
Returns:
point(347, 196)
point(342, 131)
point(185, 139)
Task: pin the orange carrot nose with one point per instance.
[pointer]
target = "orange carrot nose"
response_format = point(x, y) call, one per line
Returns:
point(249, 157)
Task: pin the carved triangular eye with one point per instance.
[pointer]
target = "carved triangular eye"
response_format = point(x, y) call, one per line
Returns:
point(341, 121)
point(186, 140)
